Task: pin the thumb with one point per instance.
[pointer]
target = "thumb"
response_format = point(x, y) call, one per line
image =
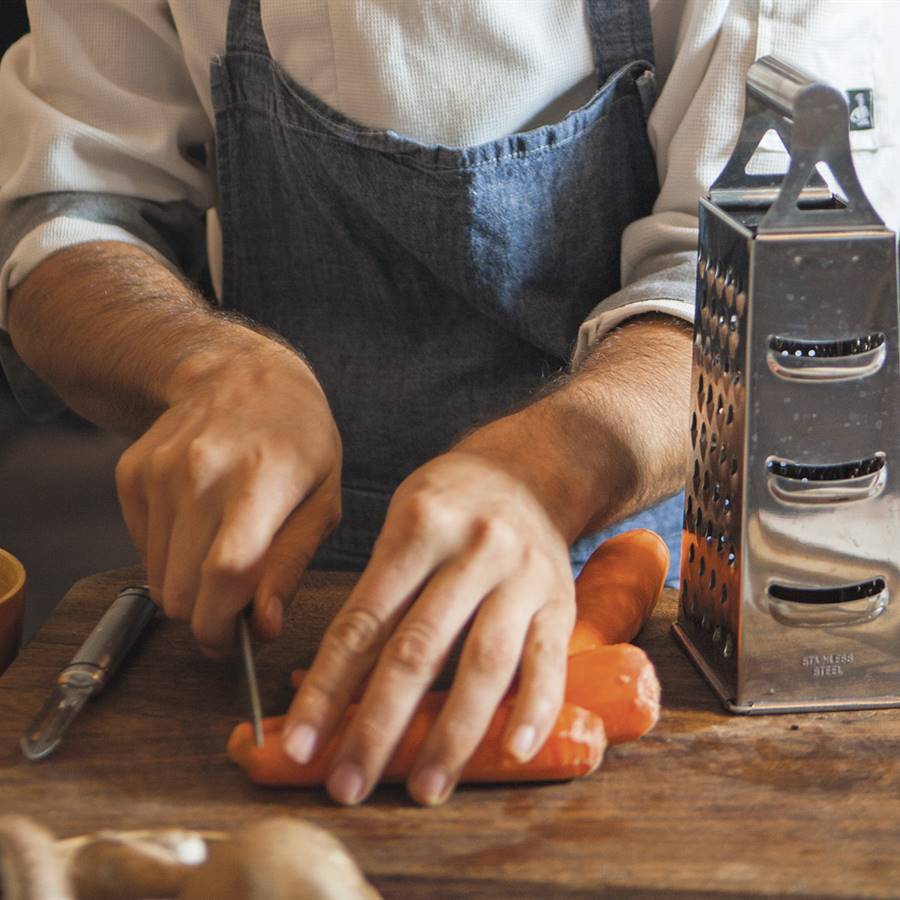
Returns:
point(288, 557)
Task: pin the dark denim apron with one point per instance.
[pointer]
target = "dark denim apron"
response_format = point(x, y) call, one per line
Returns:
point(431, 288)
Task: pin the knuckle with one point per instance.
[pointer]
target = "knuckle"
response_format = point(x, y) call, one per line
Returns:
point(177, 605)
point(495, 536)
point(370, 730)
point(225, 562)
point(414, 651)
point(354, 632)
point(421, 513)
point(489, 657)
point(163, 463)
point(545, 649)
point(317, 694)
point(126, 471)
point(459, 736)
point(199, 458)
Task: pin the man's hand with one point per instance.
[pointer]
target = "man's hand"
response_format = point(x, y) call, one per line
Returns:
point(466, 543)
point(229, 493)
point(236, 478)
point(478, 539)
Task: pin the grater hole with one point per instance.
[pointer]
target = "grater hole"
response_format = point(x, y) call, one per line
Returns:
point(702, 566)
point(724, 599)
point(732, 556)
point(694, 429)
point(826, 349)
point(729, 418)
point(712, 579)
point(692, 552)
point(844, 594)
point(836, 472)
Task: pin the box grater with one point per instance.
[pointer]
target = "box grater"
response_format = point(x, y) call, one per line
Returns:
point(791, 539)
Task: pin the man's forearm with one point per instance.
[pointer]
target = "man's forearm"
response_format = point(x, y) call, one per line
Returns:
point(106, 325)
point(611, 438)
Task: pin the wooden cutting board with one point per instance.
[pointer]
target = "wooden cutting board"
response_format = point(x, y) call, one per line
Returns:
point(707, 805)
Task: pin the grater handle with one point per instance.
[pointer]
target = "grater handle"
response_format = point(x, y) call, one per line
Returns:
point(812, 120)
point(777, 85)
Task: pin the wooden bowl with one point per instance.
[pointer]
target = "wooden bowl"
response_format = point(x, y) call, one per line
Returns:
point(12, 606)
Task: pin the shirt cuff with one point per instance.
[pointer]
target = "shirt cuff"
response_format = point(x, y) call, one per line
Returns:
point(670, 290)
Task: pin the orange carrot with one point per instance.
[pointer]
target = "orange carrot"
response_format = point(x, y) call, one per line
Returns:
point(616, 682)
point(619, 684)
point(618, 589)
point(575, 747)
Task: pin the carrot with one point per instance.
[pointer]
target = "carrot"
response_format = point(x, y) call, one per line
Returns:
point(575, 747)
point(616, 682)
point(619, 684)
point(618, 589)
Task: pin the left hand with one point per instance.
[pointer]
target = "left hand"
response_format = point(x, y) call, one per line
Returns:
point(468, 541)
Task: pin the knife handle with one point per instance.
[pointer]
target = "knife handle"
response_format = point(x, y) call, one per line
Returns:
point(115, 633)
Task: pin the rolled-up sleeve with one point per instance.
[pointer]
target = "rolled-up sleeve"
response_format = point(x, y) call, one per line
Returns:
point(102, 137)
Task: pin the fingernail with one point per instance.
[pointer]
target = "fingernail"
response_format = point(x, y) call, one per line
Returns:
point(345, 783)
point(430, 785)
point(300, 743)
point(522, 741)
point(275, 613)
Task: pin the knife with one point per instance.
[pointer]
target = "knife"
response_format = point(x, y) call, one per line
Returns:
point(90, 669)
point(250, 673)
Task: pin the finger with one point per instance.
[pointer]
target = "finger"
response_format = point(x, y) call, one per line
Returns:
point(410, 661)
point(160, 517)
point(132, 501)
point(193, 532)
point(542, 683)
point(402, 560)
point(486, 668)
point(292, 549)
point(232, 568)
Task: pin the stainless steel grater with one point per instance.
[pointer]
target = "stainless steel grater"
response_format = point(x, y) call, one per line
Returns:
point(790, 570)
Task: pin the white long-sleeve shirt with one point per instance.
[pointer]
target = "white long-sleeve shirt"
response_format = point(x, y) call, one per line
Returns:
point(113, 97)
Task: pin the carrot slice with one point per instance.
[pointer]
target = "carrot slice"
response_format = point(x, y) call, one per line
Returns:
point(618, 683)
point(575, 747)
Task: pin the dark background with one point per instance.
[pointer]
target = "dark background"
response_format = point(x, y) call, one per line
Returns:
point(58, 508)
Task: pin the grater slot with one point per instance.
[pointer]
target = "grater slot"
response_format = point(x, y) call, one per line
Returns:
point(826, 360)
point(792, 482)
point(847, 604)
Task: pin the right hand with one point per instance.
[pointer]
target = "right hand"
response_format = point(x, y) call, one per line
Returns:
point(229, 493)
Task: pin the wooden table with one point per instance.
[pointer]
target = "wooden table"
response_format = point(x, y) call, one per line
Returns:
point(707, 805)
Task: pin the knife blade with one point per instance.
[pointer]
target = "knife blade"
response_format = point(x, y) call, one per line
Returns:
point(250, 675)
point(90, 669)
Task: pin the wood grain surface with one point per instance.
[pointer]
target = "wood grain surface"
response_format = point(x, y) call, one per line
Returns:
point(707, 805)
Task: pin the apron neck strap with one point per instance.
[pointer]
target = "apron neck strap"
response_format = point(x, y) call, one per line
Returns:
point(620, 34)
point(245, 32)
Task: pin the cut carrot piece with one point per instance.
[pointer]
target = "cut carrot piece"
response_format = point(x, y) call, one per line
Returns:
point(619, 684)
